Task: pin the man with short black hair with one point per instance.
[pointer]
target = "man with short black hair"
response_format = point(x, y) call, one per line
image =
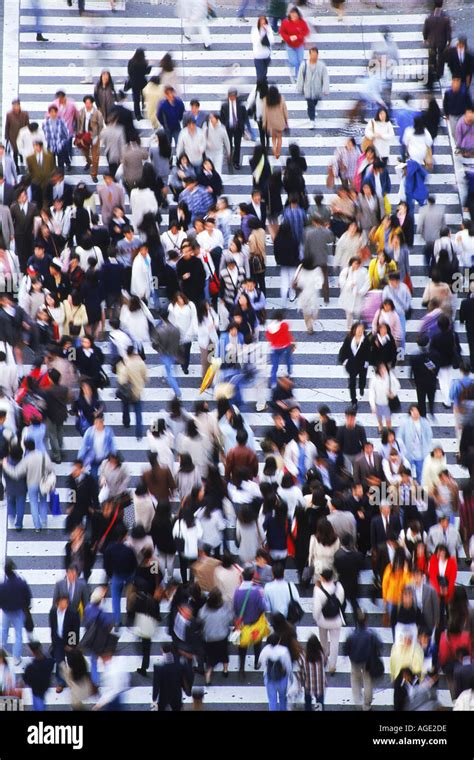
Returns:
point(239, 457)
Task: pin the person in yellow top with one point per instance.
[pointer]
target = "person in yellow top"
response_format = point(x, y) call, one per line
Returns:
point(379, 269)
point(382, 236)
point(407, 653)
point(395, 578)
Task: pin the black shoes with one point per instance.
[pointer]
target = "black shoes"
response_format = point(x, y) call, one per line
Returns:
point(40, 38)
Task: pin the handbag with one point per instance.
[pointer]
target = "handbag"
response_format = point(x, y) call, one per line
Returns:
point(54, 503)
point(47, 482)
point(294, 284)
point(179, 540)
point(83, 140)
point(97, 638)
point(295, 610)
point(81, 423)
point(394, 403)
point(104, 379)
point(235, 635)
point(125, 393)
point(255, 632)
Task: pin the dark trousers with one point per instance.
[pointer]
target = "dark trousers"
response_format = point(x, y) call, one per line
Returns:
point(311, 104)
point(325, 271)
point(113, 166)
point(183, 567)
point(185, 353)
point(435, 64)
point(471, 351)
point(261, 67)
point(264, 137)
point(353, 383)
point(235, 138)
point(137, 102)
point(422, 393)
point(146, 650)
point(308, 701)
point(257, 648)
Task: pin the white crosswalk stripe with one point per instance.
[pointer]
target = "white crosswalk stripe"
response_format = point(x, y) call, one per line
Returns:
point(207, 75)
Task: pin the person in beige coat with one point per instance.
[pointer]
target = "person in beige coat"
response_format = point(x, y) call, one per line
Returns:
point(132, 376)
point(92, 122)
point(275, 118)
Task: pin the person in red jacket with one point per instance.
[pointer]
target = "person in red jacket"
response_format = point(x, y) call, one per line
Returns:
point(442, 572)
point(281, 341)
point(294, 31)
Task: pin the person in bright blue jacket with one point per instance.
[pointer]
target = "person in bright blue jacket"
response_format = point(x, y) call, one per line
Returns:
point(98, 444)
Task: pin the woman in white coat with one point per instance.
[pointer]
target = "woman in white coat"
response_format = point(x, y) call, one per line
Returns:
point(354, 284)
point(383, 386)
point(182, 314)
point(135, 319)
point(217, 142)
point(322, 547)
point(142, 201)
point(349, 245)
point(142, 278)
point(308, 282)
point(329, 624)
point(262, 41)
point(187, 532)
point(380, 131)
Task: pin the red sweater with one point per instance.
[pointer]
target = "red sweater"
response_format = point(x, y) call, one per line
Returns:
point(278, 335)
point(450, 575)
point(289, 28)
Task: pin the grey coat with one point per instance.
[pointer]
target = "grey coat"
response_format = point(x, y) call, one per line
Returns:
point(6, 225)
point(318, 245)
point(430, 606)
point(80, 594)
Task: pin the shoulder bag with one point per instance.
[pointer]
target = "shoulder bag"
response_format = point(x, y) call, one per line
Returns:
point(234, 637)
point(47, 482)
point(393, 400)
point(295, 610)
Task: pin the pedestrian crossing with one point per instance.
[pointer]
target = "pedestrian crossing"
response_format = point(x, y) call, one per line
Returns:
point(60, 63)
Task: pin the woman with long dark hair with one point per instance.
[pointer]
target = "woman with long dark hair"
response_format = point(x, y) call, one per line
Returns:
point(187, 533)
point(216, 618)
point(262, 41)
point(311, 673)
point(104, 94)
point(275, 118)
point(138, 68)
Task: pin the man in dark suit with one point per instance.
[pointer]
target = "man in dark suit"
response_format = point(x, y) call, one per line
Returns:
point(64, 623)
point(426, 599)
point(234, 116)
point(383, 524)
point(349, 562)
point(437, 36)
point(23, 214)
point(258, 207)
point(381, 557)
point(461, 62)
point(40, 168)
point(57, 187)
point(322, 428)
point(169, 678)
point(367, 467)
point(7, 191)
point(74, 588)
point(83, 497)
point(424, 372)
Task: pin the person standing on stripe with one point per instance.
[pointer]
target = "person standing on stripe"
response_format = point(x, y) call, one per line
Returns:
point(294, 31)
point(194, 16)
point(312, 82)
point(234, 116)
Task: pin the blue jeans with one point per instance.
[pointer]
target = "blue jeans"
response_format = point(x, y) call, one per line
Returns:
point(172, 134)
point(276, 693)
point(277, 355)
point(38, 506)
point(15, 619)
point(118, 582)
point(244, 4)
point(261, 67)
point(38, 14)
point(38, 704)
point(295, 58)
point(16, 507)
point(138, 408)
point(94, 670)
point(168, 363)
point(417, 465)
point(311, 104)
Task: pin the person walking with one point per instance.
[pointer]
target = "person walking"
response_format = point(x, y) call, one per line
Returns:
point(132, 376)
point(294, 30)
point(234, 117)
point(307, 283)
point(262, 41)
point(138, 68)
point(275, 659)
point(15, 599)
point(313, 82)
point(361, 646)
point(281, 342)
point(120, 563)
point(250, 620)
point(37, 676)
point(328, 601)
point(35, 466)
point(354, 355)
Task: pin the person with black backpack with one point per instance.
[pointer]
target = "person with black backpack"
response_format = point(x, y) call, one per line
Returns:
point(328, 605)
point(276, 663)
point(363, 648)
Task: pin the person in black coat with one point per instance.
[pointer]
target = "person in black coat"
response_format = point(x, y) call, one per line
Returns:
point(37, 675)
point(322, 428)
point(307, 519)
point(58, 188)
point(169, 679)
point(354, 354)
point(273, 199)
point(191, 274)
point(83, 495)
point(466, 317)
point(89, 361)
point(383, 348)
point(64, 623)
point(348, 562)
point(124, 118)
point(260, 174)
point(208, 177)
point(233, 116)
point(461, 62)
point(445, 352)
point(359, 504)
point(138, 68)
point(286, 248)
point(384, 525)
point(407, 225)
point(424, 372)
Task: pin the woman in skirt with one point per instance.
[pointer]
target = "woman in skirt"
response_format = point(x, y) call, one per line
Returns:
point(216, 618)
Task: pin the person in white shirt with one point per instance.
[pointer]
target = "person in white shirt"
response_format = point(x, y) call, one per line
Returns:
point(383, 386)
point(380, 131)
point(142, 283)
point(192, 142)
point(417, 141)
point(279, 593)
point(142, 201)
point(210, 237)
point(114, 682)
point(171, 239)
point(276, 688)
point(262, 41)
point(326, 592)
